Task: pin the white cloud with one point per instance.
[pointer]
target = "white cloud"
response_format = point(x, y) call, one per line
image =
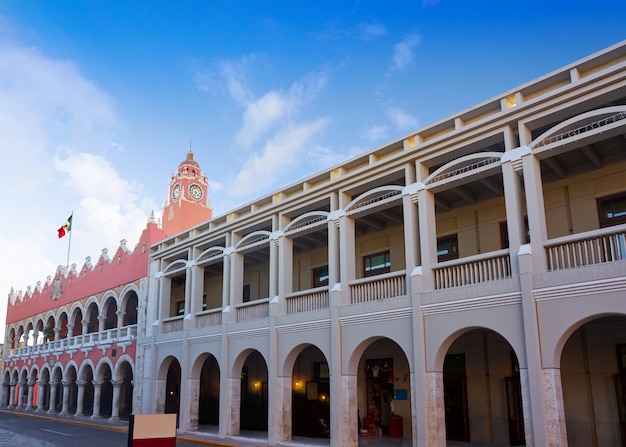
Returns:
point(376, 133)
point(370, 31)
point(279, 153)
point(275, 109)
point(401, 120)
point(403, 51)
point(47, 109)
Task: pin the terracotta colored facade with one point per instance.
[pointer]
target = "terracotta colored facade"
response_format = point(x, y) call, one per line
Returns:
point(71, 342)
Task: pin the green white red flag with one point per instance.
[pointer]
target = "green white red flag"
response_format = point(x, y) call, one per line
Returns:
point(66, 227)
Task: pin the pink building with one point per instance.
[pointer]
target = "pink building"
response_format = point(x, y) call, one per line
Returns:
point(71, 342)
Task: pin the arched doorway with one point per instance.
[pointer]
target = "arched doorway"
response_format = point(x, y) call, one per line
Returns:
point(56, 390)
point(72, 389)
point(130, 314)
point(593, 377)
point(310, 414)
point(110, 320)
point(209, 395)
point(86, 376)
point(482, 391)
point(172, 389)
point(126, 390)
point(384, 391)
point(106, 391)
point(254, 402)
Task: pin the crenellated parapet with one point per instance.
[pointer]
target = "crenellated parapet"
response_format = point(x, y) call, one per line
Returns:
point(70, 284)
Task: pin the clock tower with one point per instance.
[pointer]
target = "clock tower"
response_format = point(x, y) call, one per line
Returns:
point(186, 205)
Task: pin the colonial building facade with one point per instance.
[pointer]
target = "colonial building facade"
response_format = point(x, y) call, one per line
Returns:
point(465, 282)
point(71, 342)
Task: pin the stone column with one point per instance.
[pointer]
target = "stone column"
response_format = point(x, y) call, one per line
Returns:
point(427, 234)
point(435, 410)
point(334, 262)
point(41, 396)
point(4, 396)
point(120, 318)
point(80, 398)
point(347, 269)
point(115, 407)
point(97, 392)
point(31, 394)
point(66, 397)
point(536, 209)
point(101, 323)
point(411, 229)
point(53, 397)
point(12, 385)
point(232, 405)
point(511, 166)
point(70, 330)
point(85, 324)
point(20, 400)
point(555, 408)
point(285, 271)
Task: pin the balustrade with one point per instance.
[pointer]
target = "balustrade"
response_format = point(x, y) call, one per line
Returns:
point(379, 287)
point(254, 310)
point(76, 342)
point(473, 269)
point(307, 300)
point(592, 247)
point(209, 318)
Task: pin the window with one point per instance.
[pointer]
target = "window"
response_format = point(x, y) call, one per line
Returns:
point(504, 233)
point(377, 264)
point(180, 307)
point(447, 248)
point(612, 210)
point(246, 293)
point(320, 276)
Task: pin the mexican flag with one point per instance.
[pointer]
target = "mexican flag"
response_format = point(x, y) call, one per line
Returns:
point(66, 227)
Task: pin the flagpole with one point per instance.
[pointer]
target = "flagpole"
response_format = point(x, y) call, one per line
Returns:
point(69, 243)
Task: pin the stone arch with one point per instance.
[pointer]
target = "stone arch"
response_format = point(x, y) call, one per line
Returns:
point(91, 316)
point(375, 198)
point(205, 377)
point(109, 311)
point(581, 126)
point(129, 305)
point(307, 220)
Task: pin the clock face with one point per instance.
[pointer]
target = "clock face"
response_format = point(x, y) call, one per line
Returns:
point(176, 192)
point(195, 192)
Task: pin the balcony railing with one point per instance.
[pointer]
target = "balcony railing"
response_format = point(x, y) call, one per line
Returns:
point(173, 324)
point(473, 269)
point(115, 335)
point(209, 318)
point(253, 310)
point(308, 300)
point(592, 247)
point(378, 287)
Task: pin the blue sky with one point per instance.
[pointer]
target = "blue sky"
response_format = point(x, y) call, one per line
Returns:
point(100, 100)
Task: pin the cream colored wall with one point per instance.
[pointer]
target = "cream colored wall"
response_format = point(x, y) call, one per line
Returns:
point(259, 280)
point(212, 288)
point(177, 294)
point(477, 227)
point(303, 266)
point(390, 239)
point(581, 211)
